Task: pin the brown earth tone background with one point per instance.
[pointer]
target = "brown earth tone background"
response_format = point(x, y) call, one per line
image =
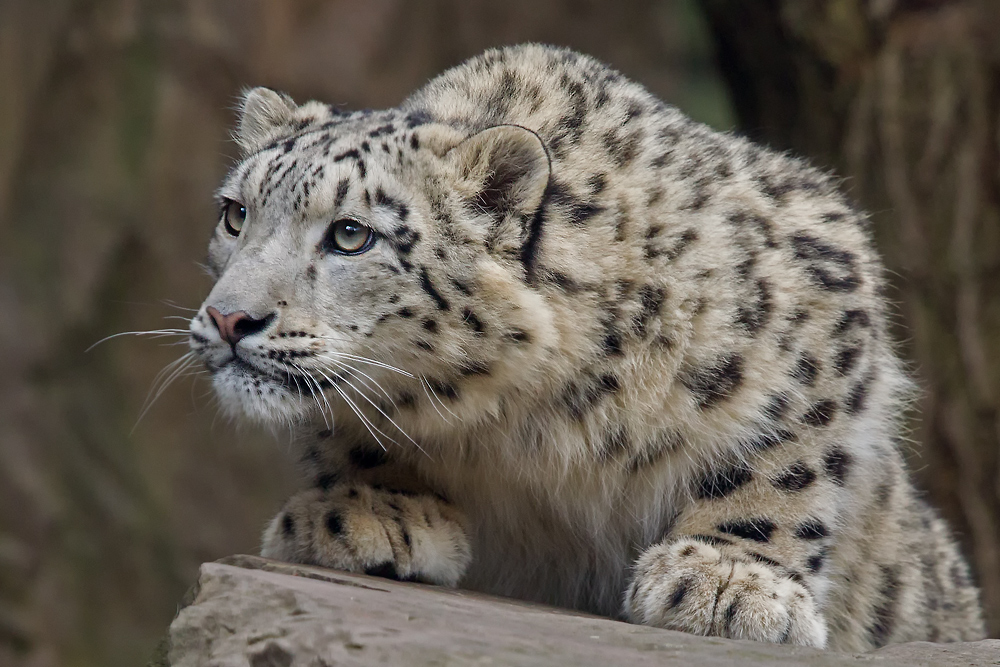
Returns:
point(114, 121)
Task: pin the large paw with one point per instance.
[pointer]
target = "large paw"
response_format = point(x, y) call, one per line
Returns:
point(362, 529)
point(691, 586)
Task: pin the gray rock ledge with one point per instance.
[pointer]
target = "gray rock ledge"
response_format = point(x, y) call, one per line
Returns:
point(248, 611)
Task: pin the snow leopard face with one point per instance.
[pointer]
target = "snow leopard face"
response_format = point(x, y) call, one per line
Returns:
point(349, 257)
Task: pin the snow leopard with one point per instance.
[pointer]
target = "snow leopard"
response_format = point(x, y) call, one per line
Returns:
point(541, 335)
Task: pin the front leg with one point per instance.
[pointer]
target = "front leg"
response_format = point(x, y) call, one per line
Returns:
point(694, 586)
point(747, 560)
point(365, 529)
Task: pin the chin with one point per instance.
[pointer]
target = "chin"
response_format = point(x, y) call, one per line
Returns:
point(244, 395)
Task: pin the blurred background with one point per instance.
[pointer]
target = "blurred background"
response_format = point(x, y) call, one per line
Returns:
point(114, 122)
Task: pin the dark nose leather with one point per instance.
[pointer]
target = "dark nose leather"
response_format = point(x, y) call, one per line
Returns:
point(236, 326)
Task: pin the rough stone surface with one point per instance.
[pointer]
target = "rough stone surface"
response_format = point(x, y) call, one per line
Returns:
point(247, 611)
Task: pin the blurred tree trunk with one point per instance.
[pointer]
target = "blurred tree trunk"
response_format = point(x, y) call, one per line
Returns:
point(903, 98)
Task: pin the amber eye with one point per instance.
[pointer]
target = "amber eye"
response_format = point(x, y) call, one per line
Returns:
point(348, 237)
point(234, 214)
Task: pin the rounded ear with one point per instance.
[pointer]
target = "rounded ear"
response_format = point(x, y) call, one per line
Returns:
point(264, 116)
point(507, 165)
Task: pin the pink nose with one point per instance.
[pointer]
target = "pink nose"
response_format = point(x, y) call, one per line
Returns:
point(235, 326)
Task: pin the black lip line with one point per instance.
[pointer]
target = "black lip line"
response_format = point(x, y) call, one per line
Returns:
point(284, 378)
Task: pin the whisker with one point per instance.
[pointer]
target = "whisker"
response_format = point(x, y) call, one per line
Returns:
point(166, 370)
point(355, 371)
point(441, 403)
point(295, 379)
point(158, 333)
point(372, 429)
point(364, 419)
point(423, 385)
point(307, 377)
point(178, 368)
point(171, 304)
point(373, 362)
point(366, 360)
point(388, 418)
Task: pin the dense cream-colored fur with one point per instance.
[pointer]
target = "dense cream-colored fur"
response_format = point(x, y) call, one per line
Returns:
point(598, 355)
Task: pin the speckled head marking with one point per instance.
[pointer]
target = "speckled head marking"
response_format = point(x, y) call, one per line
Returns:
point(438, 208)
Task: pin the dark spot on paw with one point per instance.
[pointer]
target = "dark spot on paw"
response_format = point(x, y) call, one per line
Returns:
point(761, 558)
point(386, 570)
point(714, 540)
point(678, 595)
point(730, 615)
point(333, 523)
point(786, 635)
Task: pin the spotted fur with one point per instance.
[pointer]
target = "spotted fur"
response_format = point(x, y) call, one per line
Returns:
point(637, 360)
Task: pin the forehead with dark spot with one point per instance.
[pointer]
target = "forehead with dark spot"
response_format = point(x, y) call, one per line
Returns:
point(358, 141)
